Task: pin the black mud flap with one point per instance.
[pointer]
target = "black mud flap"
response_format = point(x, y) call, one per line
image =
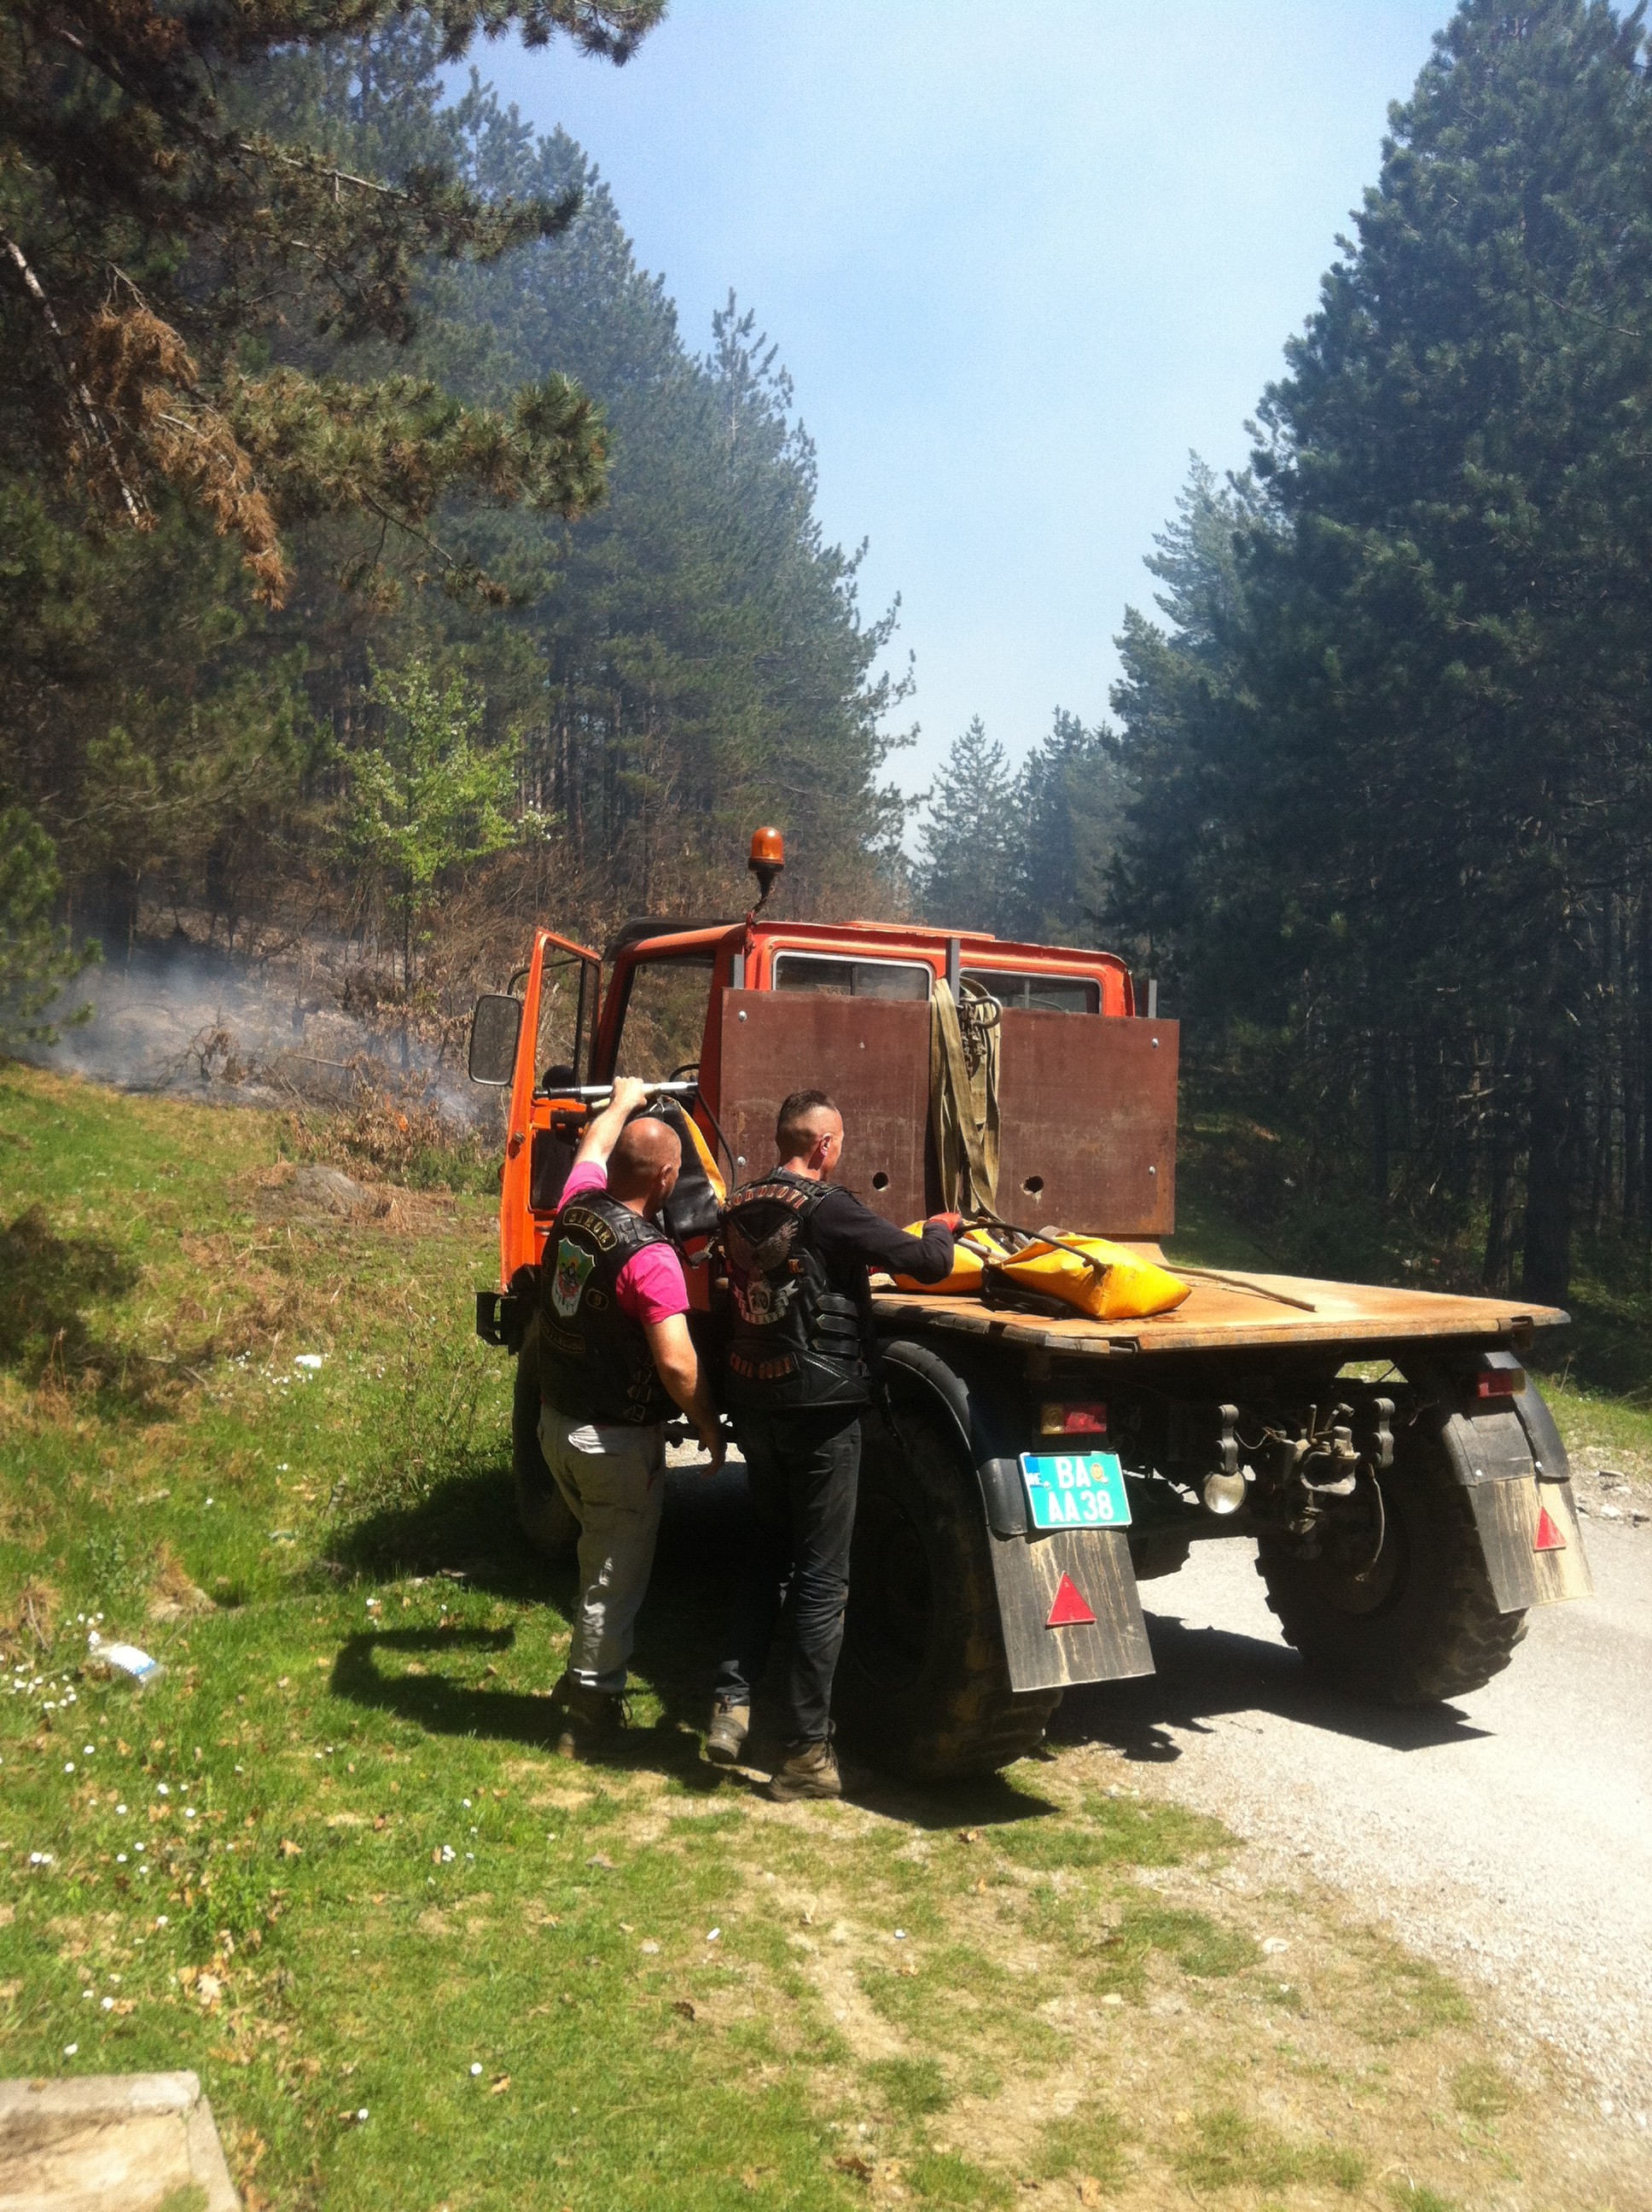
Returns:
point(1048, 1641)
point(1527, 1525)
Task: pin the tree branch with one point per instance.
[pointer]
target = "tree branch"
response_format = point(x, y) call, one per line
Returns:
point(80, 398)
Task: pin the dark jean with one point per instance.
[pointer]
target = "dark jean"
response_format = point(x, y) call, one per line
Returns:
point(803, 1470)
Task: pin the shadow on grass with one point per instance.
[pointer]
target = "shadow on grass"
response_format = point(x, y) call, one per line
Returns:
point(45, 1282)
point(1203, 1675)
point(467, 1527)
point(442, 1706)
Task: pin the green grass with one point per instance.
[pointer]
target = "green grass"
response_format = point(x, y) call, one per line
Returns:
point(1412, 2196)
point(1480, 2092)
point(1228, 2151)
point(328, 1861)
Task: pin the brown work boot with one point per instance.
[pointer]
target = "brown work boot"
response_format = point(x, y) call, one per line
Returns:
point(730, 1724)
point(590, 1718)
point(810, 1771)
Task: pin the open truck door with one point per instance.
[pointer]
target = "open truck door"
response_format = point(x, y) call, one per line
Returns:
point(538, 1051)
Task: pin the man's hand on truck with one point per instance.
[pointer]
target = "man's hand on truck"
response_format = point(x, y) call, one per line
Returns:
point(602, 1131)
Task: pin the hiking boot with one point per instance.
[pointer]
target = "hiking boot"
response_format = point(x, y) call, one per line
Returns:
point(731, 1724)
point(810, 1771)
point(590, 1719)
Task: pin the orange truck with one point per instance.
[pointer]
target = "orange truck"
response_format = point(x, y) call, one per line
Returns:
point(1028, 1466)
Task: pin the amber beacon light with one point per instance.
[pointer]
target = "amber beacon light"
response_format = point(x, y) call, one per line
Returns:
point(768, 859)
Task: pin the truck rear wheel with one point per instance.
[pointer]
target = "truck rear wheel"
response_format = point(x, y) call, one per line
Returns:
point(540, 1506)
point(1422, 1624)
point(922, 1685)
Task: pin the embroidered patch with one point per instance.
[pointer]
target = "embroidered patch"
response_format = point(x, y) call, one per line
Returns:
point(573, 1268)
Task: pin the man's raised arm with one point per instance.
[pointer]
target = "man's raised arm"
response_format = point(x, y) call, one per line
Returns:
point(602, 1131)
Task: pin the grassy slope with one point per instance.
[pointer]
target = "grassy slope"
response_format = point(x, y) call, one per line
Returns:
point(364, 1888)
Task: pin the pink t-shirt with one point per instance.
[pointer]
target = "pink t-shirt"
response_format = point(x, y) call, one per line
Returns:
point(650, 1286)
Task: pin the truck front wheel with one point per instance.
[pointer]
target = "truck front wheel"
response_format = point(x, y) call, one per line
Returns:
point(541, 1508)
point(1411, 1619)
point(923, 1688)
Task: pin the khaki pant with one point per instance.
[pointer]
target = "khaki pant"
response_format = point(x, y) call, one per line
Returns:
point(614, 1480)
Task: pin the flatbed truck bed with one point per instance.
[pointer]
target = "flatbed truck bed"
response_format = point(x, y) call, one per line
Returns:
point(1231, 1312)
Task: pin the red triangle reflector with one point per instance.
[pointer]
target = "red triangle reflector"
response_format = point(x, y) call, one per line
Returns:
point(1069, 1610)
point(1548, 1537)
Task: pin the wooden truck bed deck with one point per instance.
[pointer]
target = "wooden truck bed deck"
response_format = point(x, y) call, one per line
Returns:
point(1231, 1312)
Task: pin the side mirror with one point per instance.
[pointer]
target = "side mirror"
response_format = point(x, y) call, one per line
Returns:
point(495, 1027)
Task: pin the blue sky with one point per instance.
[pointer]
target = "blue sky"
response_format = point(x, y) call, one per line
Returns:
point(1019, 259)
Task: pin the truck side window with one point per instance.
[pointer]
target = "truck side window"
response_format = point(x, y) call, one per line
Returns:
point(560, 1042)
point(851, 979)
point(665, 1017)
point(1048, 994)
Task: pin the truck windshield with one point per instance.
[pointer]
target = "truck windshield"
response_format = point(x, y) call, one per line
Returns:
point(665, 1017)
point(851, 979)
point(1048, 995)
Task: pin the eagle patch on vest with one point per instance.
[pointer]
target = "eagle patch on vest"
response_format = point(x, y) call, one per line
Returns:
point(760, 1273)
point(573, 1268)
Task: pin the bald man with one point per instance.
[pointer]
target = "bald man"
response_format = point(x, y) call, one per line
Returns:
point(614, 1352)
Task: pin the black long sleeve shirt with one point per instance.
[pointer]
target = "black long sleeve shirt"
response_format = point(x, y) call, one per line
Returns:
point(851, 1240)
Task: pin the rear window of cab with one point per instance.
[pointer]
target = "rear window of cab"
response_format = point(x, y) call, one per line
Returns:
point(830, 977)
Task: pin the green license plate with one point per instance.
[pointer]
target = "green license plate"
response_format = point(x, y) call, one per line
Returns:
point(1076, 1490)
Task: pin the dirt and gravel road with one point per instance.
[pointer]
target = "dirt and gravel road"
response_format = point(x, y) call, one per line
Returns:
point(1509, 1835)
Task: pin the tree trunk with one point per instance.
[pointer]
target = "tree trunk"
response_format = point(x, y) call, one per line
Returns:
point(1545, 1266)
point(407, 971)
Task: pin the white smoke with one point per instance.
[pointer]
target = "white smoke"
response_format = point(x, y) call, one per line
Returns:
point(192, 1021)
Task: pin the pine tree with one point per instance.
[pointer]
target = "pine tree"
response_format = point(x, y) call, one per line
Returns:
point(36, 956)
point(165, 259)
point(964, 871)
point(1065, 823)
point(1394, 799)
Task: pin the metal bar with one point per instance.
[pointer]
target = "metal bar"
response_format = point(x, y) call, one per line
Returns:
point(593, 1090)
point(1240, 1283)
point(954, 964)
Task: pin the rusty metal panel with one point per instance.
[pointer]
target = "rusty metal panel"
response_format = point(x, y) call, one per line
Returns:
point(1087, 1106)
point(871, 1054)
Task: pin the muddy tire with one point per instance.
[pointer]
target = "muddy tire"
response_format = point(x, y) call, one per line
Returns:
point(1423, 1624)
point(540, 1506)
point(922, 1687)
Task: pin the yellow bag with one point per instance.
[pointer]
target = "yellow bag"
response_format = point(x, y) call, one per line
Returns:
point(1122, 1287)
point(971, 1249)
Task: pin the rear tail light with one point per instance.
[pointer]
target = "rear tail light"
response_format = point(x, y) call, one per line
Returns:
point(1500, 1383)
point(1497, 1374)
point(1060, 1419)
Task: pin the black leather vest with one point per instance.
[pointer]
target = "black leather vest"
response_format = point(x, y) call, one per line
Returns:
point(594, 1361)
point(796, 1341)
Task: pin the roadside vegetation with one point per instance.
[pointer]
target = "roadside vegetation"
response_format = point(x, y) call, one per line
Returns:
point(327, 1860)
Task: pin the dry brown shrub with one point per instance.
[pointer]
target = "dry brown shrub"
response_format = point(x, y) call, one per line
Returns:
point(145, 386)
point(172, 1595)
point(27, 1629)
